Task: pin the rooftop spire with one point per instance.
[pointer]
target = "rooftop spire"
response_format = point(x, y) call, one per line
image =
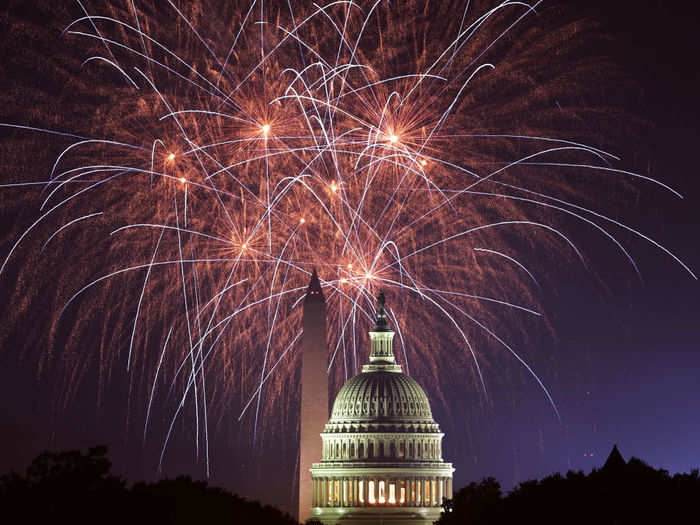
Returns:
point(314, 291)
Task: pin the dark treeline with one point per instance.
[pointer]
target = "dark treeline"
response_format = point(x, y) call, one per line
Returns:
point(72, 487)
point(620, 493)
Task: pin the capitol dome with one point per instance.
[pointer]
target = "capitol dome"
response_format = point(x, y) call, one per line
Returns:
point(381, 397)
point(382, 454)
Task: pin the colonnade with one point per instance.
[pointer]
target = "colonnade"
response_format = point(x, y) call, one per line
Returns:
point(383, 491)
point(357, 448)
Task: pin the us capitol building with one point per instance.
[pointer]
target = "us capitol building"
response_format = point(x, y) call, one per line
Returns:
point(382, 457)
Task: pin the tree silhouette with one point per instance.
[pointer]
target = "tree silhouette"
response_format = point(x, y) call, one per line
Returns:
point(72, 487)
point(65, 484)
point(620, 493)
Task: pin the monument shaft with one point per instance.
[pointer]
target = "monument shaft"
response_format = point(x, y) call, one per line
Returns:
point(314, 391)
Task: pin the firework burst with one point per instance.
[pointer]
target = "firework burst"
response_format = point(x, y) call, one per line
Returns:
point(219, 154)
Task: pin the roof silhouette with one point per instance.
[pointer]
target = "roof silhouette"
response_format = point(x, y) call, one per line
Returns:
point(615, 460)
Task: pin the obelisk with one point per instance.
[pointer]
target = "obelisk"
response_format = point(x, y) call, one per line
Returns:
point(314, 390)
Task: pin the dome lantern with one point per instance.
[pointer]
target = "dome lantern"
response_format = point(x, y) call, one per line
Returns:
point(381, 336)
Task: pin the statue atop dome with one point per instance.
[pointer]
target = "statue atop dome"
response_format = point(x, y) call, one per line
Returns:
point(381, 324)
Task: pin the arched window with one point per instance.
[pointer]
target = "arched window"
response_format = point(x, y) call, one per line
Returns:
point(381, 449)
point(361, 451)
point(402, 449)
point(352, 450)
point(337, 450)
point(370, 450)
point(410, 449)
point(392, 450)
point(345, 450)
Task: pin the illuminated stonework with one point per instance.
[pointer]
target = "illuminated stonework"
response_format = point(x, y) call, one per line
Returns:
point(382, 454)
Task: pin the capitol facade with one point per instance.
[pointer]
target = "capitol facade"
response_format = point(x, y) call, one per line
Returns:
point(382, 450)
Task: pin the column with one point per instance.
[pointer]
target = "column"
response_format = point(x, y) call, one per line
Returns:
point(355, 500)
point(449, 488)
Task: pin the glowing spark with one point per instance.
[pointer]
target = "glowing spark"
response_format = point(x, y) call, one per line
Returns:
point(334, 188)
point(302, 220)
point(393, 138)
point(265, 129)
point(183, 180)
point(423, 162)
point(171, 157)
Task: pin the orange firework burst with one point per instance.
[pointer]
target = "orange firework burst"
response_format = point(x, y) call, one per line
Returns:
point(224, 156)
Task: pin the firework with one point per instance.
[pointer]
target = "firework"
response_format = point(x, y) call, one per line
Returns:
point(212, 156)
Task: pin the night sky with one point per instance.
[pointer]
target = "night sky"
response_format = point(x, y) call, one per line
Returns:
point(624, 363)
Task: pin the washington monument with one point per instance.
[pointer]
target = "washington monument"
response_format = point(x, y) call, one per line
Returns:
point(314, 390)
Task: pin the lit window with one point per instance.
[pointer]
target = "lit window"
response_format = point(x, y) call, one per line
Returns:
point(382, 495)
point(402, 498)
point(370, 486)
point(392, 493)
point(361, 491)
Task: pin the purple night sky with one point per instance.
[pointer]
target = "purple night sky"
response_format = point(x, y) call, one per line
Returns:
point(623, 357)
